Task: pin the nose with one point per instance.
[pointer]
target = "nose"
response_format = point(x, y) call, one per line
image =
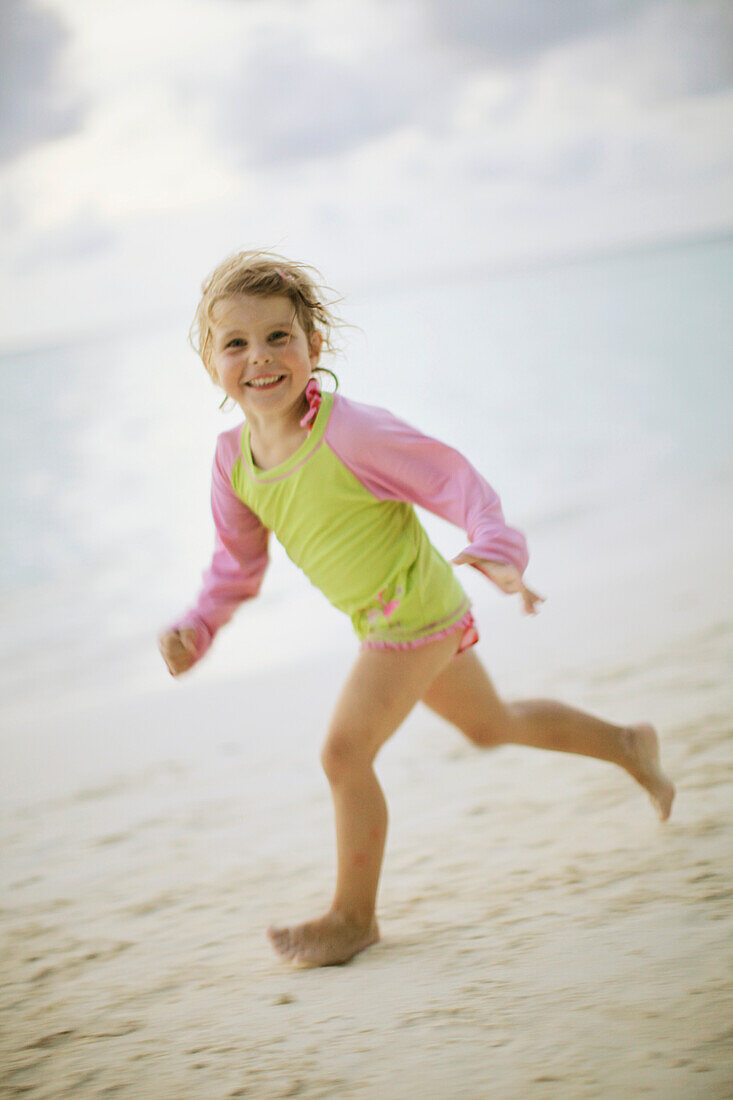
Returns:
point(259, 353)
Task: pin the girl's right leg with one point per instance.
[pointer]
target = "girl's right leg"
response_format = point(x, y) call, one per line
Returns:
point(381, 690)
point(463, 694)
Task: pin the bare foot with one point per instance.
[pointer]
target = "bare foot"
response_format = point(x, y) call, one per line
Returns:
point(330, 941)
point(645, 766)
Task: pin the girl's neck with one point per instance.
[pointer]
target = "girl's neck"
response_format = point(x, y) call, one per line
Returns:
point(273, 440)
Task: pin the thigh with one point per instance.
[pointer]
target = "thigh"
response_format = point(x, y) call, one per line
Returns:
point(463, 694)
point(383, 687)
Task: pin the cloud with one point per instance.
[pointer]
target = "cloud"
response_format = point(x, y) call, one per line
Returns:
point(365, 137)
point(322, 107)
point(671, 50)
point(36, 104)
point(307, 87)
point(82, 237)
point(510, 33)
point(673, 46)
point(647, 103)
point(316, 84)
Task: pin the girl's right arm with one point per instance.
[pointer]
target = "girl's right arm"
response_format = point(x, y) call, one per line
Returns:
point(237, 566)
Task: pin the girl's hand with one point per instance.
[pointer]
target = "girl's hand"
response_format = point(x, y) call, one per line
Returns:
point(507, 578)
point(179, 649)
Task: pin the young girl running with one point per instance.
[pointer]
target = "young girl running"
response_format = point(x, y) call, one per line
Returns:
point(336, 481)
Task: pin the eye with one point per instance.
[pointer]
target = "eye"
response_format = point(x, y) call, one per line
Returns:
point(279, 334)
point(236, 342)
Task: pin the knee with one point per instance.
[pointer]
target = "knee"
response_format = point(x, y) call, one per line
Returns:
point(342, 755)
point(489, 735)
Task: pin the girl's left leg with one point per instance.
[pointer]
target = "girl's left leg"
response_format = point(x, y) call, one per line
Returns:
point(381, 690)
point(463, 694)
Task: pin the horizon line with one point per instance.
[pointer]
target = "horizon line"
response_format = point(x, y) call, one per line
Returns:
point(519, 265)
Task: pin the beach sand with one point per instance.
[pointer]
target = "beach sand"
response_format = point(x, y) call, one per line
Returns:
point(543, 934)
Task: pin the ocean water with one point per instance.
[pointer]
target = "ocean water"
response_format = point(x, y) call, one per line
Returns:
point(585, 393)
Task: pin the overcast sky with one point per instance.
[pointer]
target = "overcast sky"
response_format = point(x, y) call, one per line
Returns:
point(142, 140)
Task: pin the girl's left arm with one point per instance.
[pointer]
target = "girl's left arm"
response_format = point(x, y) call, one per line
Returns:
point(396, 462)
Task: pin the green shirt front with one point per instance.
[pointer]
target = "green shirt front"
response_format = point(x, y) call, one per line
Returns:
point(370, 557)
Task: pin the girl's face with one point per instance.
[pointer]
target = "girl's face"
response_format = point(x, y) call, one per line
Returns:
point(262, 355)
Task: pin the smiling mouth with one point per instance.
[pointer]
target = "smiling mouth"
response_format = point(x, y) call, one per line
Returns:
point(265, 383)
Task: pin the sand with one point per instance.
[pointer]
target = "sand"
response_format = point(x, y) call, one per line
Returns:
point(543, 934)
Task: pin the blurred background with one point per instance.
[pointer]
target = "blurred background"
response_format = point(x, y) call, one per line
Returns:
point(526, 208)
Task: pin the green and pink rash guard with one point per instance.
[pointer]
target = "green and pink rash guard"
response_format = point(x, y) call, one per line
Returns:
point(342, 507)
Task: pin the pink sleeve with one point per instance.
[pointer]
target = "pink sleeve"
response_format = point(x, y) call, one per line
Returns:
point(240, 557)
point(396, 462)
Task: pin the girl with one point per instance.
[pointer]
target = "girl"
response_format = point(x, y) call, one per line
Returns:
point(336, 481)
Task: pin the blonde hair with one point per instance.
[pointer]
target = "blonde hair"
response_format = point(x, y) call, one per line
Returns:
point(263, 274)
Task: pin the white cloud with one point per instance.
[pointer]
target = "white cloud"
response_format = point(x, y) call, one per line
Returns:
point(326, 79)
point(369, 138)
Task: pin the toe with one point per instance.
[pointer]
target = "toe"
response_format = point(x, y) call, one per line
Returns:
point(280, 940)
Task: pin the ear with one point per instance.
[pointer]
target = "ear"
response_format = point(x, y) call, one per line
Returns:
point(316, 343)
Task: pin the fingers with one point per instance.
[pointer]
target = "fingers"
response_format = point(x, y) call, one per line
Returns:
point(507, 578)
point(531, 602)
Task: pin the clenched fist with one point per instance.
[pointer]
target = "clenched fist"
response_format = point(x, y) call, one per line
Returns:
point(179, 649)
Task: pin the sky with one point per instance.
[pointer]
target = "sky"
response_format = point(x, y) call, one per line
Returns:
point(387, 142)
